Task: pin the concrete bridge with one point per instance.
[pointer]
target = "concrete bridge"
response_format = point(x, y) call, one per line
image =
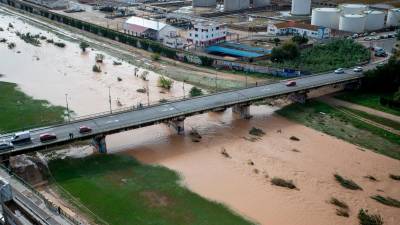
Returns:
point(175, 112)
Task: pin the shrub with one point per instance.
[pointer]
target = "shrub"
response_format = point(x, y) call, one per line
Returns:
point(387, 201)
point(50, 41)
point(96, 68)
point(11, 45)
point(342, 212)
point(60, 44)
point(338, 203)
point(394, 177)
point(165, 82)
point(194, 91)
point(283, 183)
point(163, 100)
point(155, 56)
point(141, 90)
point(256, 132)
point(3, 40)
point(369, 219)
point(99, 58)
point(144, 75)
point(346, 183)
point(83, 45)
point(294, 138)
point(371, 178)
point(300, 40)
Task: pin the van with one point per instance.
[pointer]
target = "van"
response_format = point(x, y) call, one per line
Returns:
point(21, 137)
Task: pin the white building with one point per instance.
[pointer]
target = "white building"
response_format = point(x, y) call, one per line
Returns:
point(293, 28)
point(166, 34)
point(205, 33)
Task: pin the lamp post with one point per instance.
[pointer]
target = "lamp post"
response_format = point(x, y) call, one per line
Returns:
point(66, 101)
point(109, 98)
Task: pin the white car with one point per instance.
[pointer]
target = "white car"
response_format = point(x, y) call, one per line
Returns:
point(6, 145)
point(339, 71)
point(358, 69)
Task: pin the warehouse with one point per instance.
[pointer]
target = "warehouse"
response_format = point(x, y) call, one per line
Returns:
point(293, 28)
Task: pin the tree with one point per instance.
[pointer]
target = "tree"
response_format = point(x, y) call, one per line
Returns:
point(276, 41)
point(155, 56)
point(287, 51)
point(194, 91)
point(300, 40)
point(165, 82)
point(83, 45)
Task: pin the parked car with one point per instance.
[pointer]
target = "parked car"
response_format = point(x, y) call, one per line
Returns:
point(339, 71)
point(84, 129)
point(391, 35)
point(373, 34)
point(380, 54)
point(6, 145)
point(21, 137)
point(358, 69)
point(367, 39)
point(291, 83)
point(47, 137)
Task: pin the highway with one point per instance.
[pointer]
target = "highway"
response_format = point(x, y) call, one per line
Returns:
point(131, 119)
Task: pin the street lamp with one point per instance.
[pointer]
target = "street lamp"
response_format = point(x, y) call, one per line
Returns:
point(109, 98)
point(148, 93)
point(66, 101)
point(183, 88)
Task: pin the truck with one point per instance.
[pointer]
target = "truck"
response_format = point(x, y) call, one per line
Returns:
point(21, 137)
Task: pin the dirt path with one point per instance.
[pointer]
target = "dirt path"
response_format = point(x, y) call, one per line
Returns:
point(336, 102)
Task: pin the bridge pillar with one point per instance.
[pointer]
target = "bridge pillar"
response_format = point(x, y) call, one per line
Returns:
point(242, 110)
point(298, 97)
point(99, 142)
point(178, 124)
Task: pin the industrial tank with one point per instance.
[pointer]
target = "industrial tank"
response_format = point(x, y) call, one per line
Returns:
point(353, 8)
point(261, 3)
point(301, 7)
point(326, 17)
point(352, 22)
point(393, 18)
point(233, 5)
point(375, 20)
point(204, 3)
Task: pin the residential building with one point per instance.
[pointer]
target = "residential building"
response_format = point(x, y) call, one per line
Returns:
point(297, 28)
point(155, 30)
point(205, 33)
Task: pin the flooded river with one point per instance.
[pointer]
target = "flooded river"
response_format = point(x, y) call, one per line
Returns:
point(242, 181)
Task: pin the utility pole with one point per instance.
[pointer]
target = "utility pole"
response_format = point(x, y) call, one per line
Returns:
point(216, 84)
point(66, 101)
point(109, 98)
point(183, 88)
point(148, 93)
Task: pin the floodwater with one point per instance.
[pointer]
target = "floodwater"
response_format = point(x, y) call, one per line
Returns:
point(310, 162)
point(49, 72)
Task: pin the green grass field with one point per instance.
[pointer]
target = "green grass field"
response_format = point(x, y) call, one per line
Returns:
point(377, 119)
point(19, 110)
point(370, 100)
point(329, 120)
point(121, 191)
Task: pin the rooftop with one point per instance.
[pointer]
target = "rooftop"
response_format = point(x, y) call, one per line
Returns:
point(142, 24)
point(295, 24)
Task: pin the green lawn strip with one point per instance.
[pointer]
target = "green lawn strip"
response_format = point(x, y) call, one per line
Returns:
point(19, 110)
point(322, 117)
point(377, 119)
point(123, 191)
point(370, 100)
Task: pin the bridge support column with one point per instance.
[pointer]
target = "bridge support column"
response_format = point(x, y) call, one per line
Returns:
point(298, 97)
point(99, 142)
point(242, 110)
point(178, 124)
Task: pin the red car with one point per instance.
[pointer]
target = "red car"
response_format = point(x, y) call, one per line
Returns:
point(47, 137)
point(85, 129)
point(291, 83)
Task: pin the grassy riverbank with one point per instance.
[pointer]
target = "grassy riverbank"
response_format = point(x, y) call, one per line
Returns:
point(19, 110)
point(329, 120)
point(121, 191)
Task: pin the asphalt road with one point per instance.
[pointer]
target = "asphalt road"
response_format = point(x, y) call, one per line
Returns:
point(113, 123)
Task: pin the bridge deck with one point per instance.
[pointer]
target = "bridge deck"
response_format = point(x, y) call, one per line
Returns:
point(113, 123)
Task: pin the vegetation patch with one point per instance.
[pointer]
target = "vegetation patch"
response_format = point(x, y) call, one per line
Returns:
point(19, 111)
point(120, 190)
point(195, 91)
point(59, 44)
point(369, 219)
point(256, 132)
point(347, 183)
point(338, 203)
point(371, 178)
point(165, 82)
point(294, 138)
point(283, 183)
point(394, 177)
point(387, 201)
point(342, 212)
point(96, 68)
point(29, 38)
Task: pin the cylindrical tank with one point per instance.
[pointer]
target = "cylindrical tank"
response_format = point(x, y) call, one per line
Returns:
point(204, 3)
point(352, 22)
point(261, 3)
point(353, 8)
point(393, 18)
point(326, 17)
point(301, 7)
point(233, 5)
point(375, 20)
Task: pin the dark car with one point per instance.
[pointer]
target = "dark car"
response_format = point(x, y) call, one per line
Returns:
point(291, 83)
point(47, 137)
point(85, 129)
point(6, 145)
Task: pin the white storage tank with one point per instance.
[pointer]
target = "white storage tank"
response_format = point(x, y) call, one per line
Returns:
point(326, 17)
point(261, 3)
point(353, 8)
point(301, 7)
point(393, 18)
point(204, 3)
point(375, 20)
point(233, 5)
point(352, 23)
